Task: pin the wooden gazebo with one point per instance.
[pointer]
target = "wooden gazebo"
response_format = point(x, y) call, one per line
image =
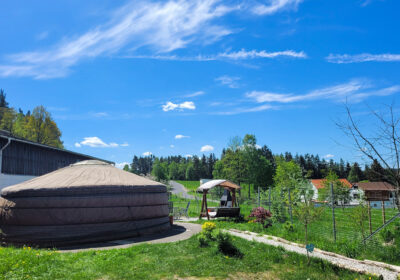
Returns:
point(232, 210)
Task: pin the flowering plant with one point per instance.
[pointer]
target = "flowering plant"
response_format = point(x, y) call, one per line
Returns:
point(261, 215)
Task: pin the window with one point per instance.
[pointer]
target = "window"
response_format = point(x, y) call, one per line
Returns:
point(356, 196)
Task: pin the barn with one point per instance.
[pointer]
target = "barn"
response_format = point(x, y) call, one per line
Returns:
point(21, 160)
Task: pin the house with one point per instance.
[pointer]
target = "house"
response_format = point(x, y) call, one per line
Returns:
point(378, 192)
point(21, 160)
point(318, 184)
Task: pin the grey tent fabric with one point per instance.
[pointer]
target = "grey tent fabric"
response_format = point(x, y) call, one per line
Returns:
point(85, 202)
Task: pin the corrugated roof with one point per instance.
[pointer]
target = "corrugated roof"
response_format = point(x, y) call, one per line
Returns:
point(375, 186)
point(319, 183)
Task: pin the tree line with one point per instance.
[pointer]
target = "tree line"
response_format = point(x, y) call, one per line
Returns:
point(243, 161)
point(37, 126)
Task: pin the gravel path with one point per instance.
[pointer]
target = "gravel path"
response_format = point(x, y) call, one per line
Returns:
point(180, 190)
point(389, 272)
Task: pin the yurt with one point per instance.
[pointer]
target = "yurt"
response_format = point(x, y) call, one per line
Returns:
point(85, 202)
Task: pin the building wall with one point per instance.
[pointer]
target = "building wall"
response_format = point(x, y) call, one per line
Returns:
point(9, 180)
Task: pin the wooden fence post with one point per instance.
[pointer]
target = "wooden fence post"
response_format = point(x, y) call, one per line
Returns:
point(333, 213)
point(383, 212)
point(290, 207)
point(369, 217)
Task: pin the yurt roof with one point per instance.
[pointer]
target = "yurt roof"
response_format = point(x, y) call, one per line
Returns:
point(213, 183)
point(85, 177)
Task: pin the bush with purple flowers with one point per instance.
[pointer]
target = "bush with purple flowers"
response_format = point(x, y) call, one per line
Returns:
point(261, 216)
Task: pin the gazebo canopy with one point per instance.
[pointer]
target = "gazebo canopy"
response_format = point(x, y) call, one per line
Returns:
point(214, 183)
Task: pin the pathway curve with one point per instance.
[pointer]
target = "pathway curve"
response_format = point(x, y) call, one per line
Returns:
point(178, 232)
point(389, 272)
point(180, 190)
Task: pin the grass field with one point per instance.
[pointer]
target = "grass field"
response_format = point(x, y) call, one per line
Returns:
point(167, 261)
point(191, 186)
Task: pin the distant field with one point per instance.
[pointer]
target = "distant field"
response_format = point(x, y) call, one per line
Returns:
point(191, 186)
point(180, 260)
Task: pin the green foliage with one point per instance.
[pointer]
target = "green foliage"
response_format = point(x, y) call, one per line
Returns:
point(355, 174)
point(160, 170)
point(203, 240)
point(288, 226)
point(38, 126)
point(226, 246)
point(126, 167)
point(387, 235)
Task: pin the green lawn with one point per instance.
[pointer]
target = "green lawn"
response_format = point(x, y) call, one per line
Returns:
point(167, 261)
point(321, 234)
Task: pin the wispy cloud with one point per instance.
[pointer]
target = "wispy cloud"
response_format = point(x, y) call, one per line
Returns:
point(243, 54)
point(197, 93)
point(241, 110)
point(96, 142)
point(235, 55)
point(169, 106)
point(275, 6)
point(157, 26)
point(147, 154)
point(180, 136)
point(231, 82)
point(364, 57)
point(353, 91)
point(207, 148)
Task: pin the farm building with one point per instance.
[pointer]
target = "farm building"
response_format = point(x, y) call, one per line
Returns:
point(88, 201)
point(376, 192)
point(355, 193)
point(21, 160)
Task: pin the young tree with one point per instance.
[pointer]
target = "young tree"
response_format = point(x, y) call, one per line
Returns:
point(126, 167)
point(359, 216)
point(288, 175)
point(306, 212)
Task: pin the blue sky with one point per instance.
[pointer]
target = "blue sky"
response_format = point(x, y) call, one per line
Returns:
point(182, 77)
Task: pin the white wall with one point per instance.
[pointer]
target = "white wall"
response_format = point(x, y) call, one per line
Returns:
point(9, 180)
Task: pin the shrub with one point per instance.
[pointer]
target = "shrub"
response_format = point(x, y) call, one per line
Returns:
point(351, 249)
point(279, 211)
point(262, 216)
point(225, 245)
point(288, 226)
point(207, 229)
point(387, 235)
point(203, 240)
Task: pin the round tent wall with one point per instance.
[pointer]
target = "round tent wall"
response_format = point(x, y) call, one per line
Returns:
point(85, 202)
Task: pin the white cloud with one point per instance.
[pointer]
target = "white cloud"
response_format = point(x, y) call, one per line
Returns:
point(329, 156)
point(100, 114)
point(124, 145)
point(96, 142)
point(229, 81)
point(169, 106)
point(236, 111)
point(275, 6)
point(243, 54)
point(147, 154)
point(180, 136)
point(197, 93)
point(364, 57)
point(188, 155)
point(160, 27)
point(207, 148)
point(172, 146)
point(121, 165)
point(352, 91)
point(236, 55)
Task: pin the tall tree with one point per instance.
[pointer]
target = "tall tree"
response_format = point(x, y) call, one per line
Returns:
point(355, 174)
